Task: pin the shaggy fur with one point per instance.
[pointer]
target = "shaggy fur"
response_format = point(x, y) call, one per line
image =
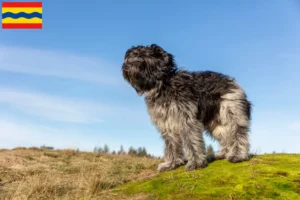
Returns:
point(183, 105)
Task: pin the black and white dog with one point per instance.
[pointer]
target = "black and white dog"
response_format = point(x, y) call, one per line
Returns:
point(184, 104)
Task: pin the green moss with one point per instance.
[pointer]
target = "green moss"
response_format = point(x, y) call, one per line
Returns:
point(274, 176)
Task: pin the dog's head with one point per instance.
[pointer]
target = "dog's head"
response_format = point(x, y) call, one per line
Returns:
point(146, 67)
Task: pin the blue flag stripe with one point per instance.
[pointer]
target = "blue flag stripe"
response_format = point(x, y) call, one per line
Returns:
point(21, 14)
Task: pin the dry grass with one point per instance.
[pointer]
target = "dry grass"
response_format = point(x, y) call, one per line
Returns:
point(67, 174)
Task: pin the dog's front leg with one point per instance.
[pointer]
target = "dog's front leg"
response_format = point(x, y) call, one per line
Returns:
point(194, 147)
point(173, 153)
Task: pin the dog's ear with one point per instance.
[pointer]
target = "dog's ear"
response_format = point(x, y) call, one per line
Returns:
point(158, 51)
point(155, 46)
point(166, 58)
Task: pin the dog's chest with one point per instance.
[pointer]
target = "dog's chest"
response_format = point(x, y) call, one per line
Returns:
point(170, 116)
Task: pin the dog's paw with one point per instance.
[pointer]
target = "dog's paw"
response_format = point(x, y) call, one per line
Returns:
point(193, 165)
point(219, 155)
point(237, 158)
point(167, 166)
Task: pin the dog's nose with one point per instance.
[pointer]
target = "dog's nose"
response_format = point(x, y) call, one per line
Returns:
point(139, 92)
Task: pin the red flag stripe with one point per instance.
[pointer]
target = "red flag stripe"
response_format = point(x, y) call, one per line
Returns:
point(22, 26)
point(21, 4)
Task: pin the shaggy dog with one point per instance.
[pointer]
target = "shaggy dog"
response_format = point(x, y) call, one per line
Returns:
point(182, 105)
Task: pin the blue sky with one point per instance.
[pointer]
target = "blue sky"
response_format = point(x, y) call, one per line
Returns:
point(63, 86)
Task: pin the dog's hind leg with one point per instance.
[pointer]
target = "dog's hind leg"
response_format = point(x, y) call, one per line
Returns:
point(238, 146)
point(173, 153)
point(234, 145)
point(219, 133)
point(194, 146)
point(234, 126)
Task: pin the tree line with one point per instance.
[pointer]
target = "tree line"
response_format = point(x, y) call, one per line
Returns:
point(138, 152)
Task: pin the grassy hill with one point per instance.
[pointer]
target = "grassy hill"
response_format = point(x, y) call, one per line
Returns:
point(66, 174)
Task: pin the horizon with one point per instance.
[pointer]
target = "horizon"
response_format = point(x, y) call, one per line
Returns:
point(62, 86)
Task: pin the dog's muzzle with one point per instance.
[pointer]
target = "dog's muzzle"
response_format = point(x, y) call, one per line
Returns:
point(139, 92)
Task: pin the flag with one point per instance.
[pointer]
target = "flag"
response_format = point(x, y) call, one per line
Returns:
point(22, 15)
